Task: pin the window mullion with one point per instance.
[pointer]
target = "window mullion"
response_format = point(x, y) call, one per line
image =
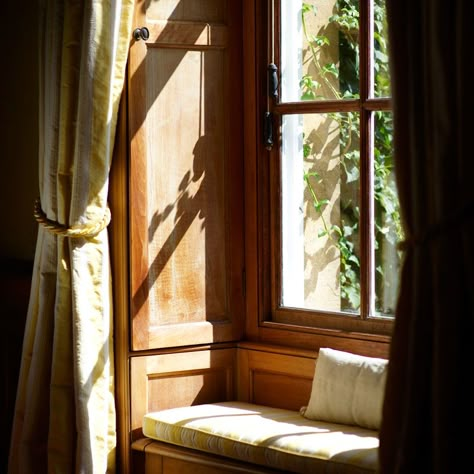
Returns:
point(366, 160)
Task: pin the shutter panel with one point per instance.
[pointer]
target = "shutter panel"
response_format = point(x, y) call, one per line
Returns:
point(185, 124)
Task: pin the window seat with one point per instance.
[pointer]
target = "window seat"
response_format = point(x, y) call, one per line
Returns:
point(273, 438)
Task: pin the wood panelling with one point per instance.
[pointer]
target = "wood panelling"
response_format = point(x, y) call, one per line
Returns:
point(179, 379)
point(267, 388)
point(174, 34)
point(155, 457)
point(189, 387)
point(178, 466)
point(186, 171)
point(186, 232)
point(280, 380)
point(120, 253)
point(364, 344)
point(188, 10)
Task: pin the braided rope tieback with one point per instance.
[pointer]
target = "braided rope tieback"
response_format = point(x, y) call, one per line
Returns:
point(88, 230)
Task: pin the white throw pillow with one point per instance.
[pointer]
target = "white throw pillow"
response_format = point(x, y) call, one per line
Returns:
point(348, 389)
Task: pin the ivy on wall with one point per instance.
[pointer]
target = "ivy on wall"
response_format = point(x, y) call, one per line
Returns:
point(321, 79)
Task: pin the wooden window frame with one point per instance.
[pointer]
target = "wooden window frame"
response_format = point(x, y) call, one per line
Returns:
point(297, 327)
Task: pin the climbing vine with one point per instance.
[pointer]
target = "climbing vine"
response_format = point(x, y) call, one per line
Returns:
point(325, 79)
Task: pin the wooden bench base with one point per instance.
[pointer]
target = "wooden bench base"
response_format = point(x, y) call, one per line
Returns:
point(154, 457)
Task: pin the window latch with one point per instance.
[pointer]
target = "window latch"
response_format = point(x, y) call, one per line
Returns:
point(268, 130)
point(273, 94)
point(272, 81)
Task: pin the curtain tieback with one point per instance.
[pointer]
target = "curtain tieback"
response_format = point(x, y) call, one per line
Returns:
point(87, 230)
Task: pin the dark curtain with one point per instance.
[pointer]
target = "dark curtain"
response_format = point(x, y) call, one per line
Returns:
point(427, 417)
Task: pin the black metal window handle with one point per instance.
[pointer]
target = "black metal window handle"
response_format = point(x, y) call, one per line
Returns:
point(268, 130)
point(273, 81)
point(141, 33)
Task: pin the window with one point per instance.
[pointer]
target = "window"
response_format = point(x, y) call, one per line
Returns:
point(331, 223)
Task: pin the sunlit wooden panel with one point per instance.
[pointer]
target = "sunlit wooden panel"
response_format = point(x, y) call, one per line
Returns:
point(193, 388)
point(173, 34)
point(186, 159)
point(265, 373)
point(163, 381)
point(186, 172)
point(188, 10)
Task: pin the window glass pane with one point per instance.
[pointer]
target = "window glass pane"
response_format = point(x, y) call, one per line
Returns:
point(320, 211)
point(388, 230)
point(319, 49)
point(381, 66)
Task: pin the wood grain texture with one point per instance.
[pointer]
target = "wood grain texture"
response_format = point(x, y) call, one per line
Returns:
point(269, 378)
point(119, 256)
point(138, 199)
point(188, 10)
point(176, 34)
point(178, 460)
point(172, 380)
point(186, 175)
point(186, 189)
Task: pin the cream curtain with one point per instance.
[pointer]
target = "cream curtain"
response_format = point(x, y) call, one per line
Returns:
point(65, 416)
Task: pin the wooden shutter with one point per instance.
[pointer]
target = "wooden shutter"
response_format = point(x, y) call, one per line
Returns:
point(185, 124)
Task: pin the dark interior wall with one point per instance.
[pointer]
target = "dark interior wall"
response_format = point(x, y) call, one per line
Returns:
point(19, 128)
point(18, 190)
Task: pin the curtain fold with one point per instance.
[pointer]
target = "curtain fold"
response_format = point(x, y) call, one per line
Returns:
point(64, 418)
point(427, 402)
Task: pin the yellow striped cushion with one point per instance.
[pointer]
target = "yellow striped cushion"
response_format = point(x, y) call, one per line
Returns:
point(272, 437)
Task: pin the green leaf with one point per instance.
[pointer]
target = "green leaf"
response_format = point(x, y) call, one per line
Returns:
point(313, 174)
point(306, 8)
point(381, 57)
point(354, 259)
point(352, 174)
point(306, 150)
point(308, 95)
point(353, 296)
point(320, 40)
point(331, 68)
point(348, 230)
